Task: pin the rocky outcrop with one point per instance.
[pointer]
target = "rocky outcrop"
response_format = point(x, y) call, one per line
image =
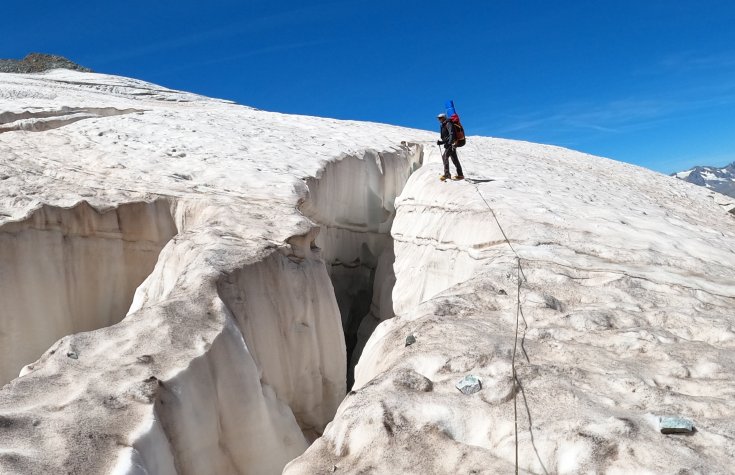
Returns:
point(37, 63)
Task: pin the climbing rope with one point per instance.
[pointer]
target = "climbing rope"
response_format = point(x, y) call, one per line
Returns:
point(513, 359)
point(520, 278)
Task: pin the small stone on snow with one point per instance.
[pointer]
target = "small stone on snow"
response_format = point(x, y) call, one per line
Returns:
point(469, 385)
point(675, 425)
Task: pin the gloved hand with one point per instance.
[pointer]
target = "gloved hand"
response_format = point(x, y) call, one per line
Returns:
point(439, 142)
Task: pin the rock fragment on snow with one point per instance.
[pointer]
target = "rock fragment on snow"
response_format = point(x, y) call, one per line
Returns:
point(675, 425)
point(469, 385)
point(409, 379)
point(410, 340)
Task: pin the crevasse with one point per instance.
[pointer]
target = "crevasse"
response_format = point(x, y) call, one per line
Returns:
point(353, 201)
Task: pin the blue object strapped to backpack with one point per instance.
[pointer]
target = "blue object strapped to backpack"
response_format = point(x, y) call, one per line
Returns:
point(453, 117)
point(449, 106)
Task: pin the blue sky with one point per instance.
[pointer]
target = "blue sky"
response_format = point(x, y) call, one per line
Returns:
point(648, 82)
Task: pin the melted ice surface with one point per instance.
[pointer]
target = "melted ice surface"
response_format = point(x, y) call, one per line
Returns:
point(231, 357)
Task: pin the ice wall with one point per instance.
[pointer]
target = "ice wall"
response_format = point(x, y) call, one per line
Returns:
point(353, 201)
point(286, 311)
point(256, 361)
point(273, 378)
point(64, 271)
point(232, 356)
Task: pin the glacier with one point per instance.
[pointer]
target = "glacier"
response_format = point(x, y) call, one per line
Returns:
point(194, 286)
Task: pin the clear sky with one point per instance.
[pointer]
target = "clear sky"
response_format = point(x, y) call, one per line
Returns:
point(650, 82)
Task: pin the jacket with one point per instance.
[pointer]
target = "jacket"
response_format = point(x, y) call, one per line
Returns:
point(447, 133)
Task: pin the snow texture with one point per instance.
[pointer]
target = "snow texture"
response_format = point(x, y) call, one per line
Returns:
point(252, 236)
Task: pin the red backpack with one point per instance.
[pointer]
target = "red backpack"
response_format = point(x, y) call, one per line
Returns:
point(458, 130)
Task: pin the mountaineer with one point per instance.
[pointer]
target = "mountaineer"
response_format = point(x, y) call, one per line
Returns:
point(449, 140)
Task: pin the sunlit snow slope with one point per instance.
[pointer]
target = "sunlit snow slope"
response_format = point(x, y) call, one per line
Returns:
point(253, 238)
point(625, 311)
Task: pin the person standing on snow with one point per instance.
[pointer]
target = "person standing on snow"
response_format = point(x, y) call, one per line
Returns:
point(448, 139)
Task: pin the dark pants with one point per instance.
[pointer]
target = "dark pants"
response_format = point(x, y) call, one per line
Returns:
point(451, 152)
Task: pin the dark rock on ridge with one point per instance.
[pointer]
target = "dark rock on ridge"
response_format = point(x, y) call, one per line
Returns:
point(39, 62)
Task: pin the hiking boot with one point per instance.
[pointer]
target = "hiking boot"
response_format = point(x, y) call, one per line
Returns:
point(458, 177)
point(444, 177)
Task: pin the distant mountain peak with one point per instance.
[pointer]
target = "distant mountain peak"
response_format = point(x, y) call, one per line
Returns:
point(39, 62)
point(719, 179)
